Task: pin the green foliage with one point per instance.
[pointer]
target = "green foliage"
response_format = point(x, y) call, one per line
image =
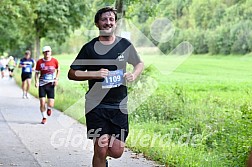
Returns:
point(204, 124)
point(82, 21)
point(23, 22)
point(12, 21)
point(215, 27)
point(198, 40)
point(167, 47)
point(56, 19)
point(220, 41)
point(240, 35)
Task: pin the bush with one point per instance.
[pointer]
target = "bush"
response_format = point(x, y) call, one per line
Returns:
point(218, 41)
point(240, 35)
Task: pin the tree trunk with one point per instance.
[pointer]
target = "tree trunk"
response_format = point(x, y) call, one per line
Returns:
point(37, 42)
point(37, 48)
point(120, 6)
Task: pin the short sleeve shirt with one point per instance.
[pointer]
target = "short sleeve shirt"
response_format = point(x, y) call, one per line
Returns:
point(47, 69)
point(94, 55)
point(29, 64)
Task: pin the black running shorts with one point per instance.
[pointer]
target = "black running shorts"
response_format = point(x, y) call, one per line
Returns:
point(11, 69)
point(25, 76)
point(109, 121)
point(48, 90)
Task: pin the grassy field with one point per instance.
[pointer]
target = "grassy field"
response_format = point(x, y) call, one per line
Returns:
point(207, 99)
point(191, 112)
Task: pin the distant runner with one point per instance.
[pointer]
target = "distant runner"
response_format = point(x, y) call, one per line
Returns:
point(28, 65)
point(11, 66)
point(2, 65)
point(46, 78)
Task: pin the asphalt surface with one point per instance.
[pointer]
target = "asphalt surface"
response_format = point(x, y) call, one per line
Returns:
point(25, 142)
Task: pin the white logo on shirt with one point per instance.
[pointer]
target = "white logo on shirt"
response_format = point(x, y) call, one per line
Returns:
point(42, 65)
point(121, 56)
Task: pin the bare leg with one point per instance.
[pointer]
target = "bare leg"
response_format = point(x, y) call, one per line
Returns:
point(10, 74)
point(100, 151)
point(116, 148)
point(23, 88)
point(42, 104)
point(250, 160)
point(50, 103)
point(106, 146)
point(28, 81)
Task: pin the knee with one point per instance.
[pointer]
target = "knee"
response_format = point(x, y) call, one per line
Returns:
point(115, 153)
point(101, 146)
point(50, 102)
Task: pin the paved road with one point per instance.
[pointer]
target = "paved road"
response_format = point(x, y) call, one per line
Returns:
point(27, 143)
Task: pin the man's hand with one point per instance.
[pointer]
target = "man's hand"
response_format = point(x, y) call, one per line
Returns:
point(36, 84)
point(129, 77)
point(102, 73)
point(56, 81)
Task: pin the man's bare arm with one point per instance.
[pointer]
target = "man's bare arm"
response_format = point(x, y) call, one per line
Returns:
point(136, 72)
point(78, 75)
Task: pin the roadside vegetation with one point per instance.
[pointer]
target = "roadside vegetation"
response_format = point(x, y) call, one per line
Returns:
point(198, 115)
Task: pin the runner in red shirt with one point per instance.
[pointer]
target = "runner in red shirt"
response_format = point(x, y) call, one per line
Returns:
point(46, 78)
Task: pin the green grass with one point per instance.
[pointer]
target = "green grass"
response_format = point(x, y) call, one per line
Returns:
point(204, 95)
point(201, 109)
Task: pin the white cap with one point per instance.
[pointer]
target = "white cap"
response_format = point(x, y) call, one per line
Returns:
point(46, 48)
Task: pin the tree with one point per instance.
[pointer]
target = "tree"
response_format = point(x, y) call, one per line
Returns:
point(56, 19)
point(14, 16)
point(24, 23)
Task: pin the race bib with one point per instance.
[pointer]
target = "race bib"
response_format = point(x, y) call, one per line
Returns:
point(48, 77)
point(27, 69)
point(114, 79)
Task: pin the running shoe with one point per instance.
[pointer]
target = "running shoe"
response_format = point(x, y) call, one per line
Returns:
point(49, 112)
point(43, 121)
